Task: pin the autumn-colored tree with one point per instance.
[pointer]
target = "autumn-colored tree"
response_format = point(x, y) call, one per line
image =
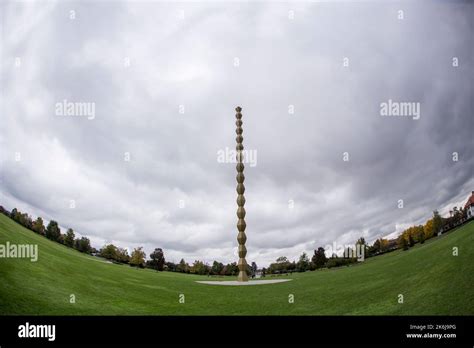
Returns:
point(38, 226)
point(421, 236)
point(22, 218)
point(137, 259)
point(411, 240)
point(380, 245)
point(402, 242)
point(429, 229)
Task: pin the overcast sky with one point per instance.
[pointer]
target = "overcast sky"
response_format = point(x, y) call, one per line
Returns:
point(143, 64)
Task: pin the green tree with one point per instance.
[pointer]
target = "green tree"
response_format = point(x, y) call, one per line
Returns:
point(437, 222)
point(364, 247)
point(457, 215)
point(170, 267)
point(231, 269)
point(69, 238)
point(122, 255)
point(282, 265)
point(83, 245)
point(199, 268)
point(182, 267)
point(303, 263)
point(109, 252)
point(217, 268)
point(157, 259)
point(53, 231)
point(319, 258)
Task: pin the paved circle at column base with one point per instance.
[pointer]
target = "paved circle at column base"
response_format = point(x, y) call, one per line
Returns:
point(237, 283)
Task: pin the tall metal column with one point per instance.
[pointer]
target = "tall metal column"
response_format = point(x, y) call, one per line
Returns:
point(241, 237)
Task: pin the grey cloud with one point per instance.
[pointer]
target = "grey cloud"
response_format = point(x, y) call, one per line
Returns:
point(174, 156)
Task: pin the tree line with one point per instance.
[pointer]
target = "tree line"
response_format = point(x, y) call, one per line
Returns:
point(119, 255)
point(407, 239)
point(51, 231)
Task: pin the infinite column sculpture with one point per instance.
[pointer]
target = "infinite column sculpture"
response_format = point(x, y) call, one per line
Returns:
point(241, 237)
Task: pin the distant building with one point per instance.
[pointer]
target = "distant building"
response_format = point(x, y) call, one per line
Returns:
point(469, 207)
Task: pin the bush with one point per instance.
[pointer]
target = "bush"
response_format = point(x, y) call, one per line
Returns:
point(340, 261)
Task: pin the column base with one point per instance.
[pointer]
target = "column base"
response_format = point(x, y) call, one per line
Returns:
point(243, 277)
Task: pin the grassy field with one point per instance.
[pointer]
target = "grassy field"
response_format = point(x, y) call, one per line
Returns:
point(431, 279)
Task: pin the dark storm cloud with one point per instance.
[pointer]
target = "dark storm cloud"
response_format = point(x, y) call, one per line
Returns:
point(173, 193)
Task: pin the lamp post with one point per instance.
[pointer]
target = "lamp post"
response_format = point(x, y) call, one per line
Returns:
point(241, 237)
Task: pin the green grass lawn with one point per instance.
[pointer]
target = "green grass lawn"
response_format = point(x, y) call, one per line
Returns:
point(431, 279)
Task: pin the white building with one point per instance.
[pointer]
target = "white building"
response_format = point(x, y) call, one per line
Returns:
point(470, 206)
